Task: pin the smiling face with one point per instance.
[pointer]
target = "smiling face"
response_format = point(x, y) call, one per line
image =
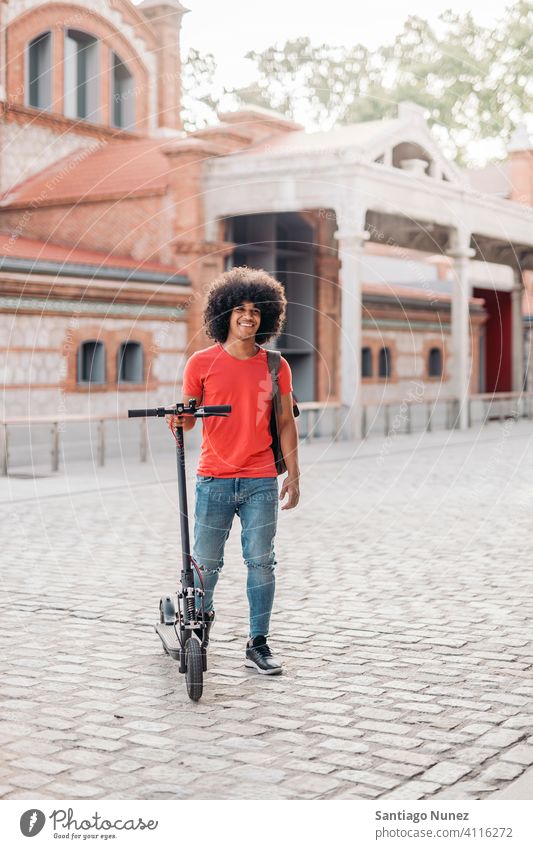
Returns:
point(244, 321)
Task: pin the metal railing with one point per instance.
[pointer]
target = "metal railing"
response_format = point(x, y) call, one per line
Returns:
point(398, 417)
point(56, 423)
point(309, 411)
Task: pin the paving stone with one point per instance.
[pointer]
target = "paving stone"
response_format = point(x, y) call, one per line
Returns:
point(477, 728)
point(520, 754)
point(103, 731)
point(258, 773)
point(85, 775)
point(407, 770)
point(48, 767)
point(316, 785)
point(414, 790)
point(394, 741)
point(385, 727)
point(434, 748)
point(320, 767)
point(101, 744)
point(5, 789)
point(278, 722)
point(446, 772)
point(406, 756)
point(30, 780)
point(499, 738)
point(75, 790)
point(417, 707)
point(368, 777)
point(501, 770)
point(253, 757)
point(32, 747)
point(124, 765)
point(350, 760)
point(332, 731)
point(85, 757)
point(345, 746)
point(330, 707)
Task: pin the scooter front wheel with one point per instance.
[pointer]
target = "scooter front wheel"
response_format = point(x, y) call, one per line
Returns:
point(194, 675)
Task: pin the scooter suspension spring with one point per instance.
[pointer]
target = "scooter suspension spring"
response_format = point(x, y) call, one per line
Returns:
point(191, 608)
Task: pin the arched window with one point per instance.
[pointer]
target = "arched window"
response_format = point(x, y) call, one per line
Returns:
point(39, 72)
point(82, 84)
point(130, 366)
point(91, 362)
point(435, 362)
point(123, 94)
point(385, 362)
point(366, 362)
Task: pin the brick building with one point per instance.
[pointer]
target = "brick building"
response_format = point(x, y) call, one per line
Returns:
point(113, 220)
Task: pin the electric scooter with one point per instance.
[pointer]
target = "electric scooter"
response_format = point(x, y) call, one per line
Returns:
point(183, 627)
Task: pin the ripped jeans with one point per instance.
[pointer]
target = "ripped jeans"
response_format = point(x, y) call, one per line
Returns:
point(255, 501)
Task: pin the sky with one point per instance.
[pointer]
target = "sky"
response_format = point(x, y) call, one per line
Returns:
point(230, 28)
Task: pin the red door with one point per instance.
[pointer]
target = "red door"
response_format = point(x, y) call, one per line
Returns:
point(498, 340)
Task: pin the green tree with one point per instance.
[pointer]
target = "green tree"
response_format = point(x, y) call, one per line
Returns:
point(199, 100)
point(474, 82)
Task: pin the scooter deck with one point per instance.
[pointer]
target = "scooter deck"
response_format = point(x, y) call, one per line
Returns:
point(171, 644)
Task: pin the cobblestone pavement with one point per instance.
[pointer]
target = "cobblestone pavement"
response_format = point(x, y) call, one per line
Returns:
point(403, 615)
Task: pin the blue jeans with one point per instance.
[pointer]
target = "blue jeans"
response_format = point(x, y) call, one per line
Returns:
point(255, 501)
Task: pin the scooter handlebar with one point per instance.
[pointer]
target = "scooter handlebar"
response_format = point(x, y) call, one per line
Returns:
point(199, 412)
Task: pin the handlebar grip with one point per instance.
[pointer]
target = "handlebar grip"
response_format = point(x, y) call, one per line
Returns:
point(217, 409)
point(154, 411)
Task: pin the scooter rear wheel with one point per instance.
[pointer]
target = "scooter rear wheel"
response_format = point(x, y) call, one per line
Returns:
point(194, 675)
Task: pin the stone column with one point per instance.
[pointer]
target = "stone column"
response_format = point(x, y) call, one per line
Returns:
point(517, 331)
point(165, 18)
point(350, 245)
point(461, 253)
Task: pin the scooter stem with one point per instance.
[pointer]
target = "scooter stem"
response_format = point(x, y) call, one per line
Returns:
point(187, 573)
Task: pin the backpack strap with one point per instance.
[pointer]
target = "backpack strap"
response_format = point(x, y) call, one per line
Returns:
point(274, 362)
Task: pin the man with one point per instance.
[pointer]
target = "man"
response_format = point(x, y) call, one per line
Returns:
point(236, 472)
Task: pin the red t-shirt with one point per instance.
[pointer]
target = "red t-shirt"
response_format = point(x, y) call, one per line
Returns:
point(238, 446)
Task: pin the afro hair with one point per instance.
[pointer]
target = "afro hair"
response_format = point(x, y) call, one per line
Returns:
point(241, 284)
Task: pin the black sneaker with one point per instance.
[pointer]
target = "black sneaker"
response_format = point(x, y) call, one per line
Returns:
point(259, 656)
point(209, 619)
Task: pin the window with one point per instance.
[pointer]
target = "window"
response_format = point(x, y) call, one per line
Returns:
point(81, 75)
point(435, 362)
point(366, 362)
point(123, 94)
point(384, 362)
point(91, 362)
point(130, 363)
point(39, 88)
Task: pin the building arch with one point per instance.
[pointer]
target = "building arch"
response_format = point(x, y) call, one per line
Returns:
point(385, 362)
point(434, 362)
point(367, 365)
point(91, 362)
point(38, 71)
point(130, 362)
point(58, 18)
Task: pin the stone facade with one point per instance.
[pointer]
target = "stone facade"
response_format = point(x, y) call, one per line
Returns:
point(40, 354)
